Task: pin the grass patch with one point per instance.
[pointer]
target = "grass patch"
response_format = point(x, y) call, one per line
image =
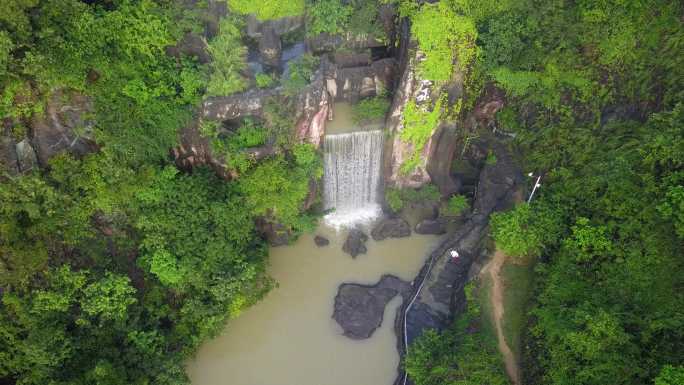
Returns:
point(517, 280)
point(484, 293)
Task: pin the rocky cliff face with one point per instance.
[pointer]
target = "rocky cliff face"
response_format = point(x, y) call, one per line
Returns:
point(441, 295)
point(410, 88)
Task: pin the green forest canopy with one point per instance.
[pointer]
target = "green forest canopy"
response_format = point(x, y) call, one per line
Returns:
point(116, 266)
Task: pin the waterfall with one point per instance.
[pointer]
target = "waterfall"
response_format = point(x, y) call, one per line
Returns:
point(351, 182)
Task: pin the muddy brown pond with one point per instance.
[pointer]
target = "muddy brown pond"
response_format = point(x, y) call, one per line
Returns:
point(289, 338)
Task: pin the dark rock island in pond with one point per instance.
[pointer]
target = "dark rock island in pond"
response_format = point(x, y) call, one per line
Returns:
point(359, 308)
point(355, 243)
point(321, 241)
point(391, 228)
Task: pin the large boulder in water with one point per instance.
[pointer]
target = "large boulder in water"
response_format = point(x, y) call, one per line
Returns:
point(321, 241)
point(391, 228)
point(355, 243)
point(359, 309)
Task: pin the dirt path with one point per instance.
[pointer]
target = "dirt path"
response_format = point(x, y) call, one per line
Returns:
point(493, 268)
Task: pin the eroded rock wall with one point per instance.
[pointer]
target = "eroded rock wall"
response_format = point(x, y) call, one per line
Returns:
point(441, 295)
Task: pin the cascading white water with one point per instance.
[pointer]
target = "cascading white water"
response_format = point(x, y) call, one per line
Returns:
point(351, 182)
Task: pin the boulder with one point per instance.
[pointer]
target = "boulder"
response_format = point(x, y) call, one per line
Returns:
point(355, 243)
point(216, 10)
point(347, 59)
point(446, 142)
point(270, 48)
point(326, 42)
point(8, 155)
point(250, 103)
point(190, 45)
point(391, 228)
point(431, 226)
point(26, 156)
point(359, 309)
point(321, 241)
point(63, 127)
point(274, 233)
point(355, 83)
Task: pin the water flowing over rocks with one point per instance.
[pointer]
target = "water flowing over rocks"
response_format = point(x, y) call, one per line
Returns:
point(355, 243)
point(359, 309)
point(391, 228)
point(352, 173)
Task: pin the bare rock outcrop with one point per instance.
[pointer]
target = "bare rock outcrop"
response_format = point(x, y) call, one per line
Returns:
point(391, 228)
point(431, 226)
point(355, 243)
point(442, 297)
point(359, 309)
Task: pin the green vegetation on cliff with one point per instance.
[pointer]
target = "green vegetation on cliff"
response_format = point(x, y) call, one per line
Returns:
point(268, 9)
point(594, 95)
point(116, 266)
point(465, 354)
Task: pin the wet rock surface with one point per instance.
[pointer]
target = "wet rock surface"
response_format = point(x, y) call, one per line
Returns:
point(359, 309)
point(431, 226)
point(391, 228)
point(355, 243)
point(321, 241)
point(442, 296)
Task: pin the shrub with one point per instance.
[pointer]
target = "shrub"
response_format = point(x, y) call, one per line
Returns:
point(370, 109)
point(264, 80)
point(329, 16)
point(228, 59)
point(455, 206)
point(398, 198)
point(491, 158)
point(446, 38)
point(299, 74)
point(393, 199)
point(268, 9)
point(419, 124)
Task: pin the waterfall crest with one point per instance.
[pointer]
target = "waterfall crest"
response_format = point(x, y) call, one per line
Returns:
point(351, 180)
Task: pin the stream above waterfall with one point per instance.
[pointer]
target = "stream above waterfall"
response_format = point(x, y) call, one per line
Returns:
point(289, 338)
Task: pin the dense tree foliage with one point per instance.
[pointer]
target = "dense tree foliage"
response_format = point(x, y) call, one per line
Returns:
point(594, 97)
point(113, 275)
point(466, 354)
point(115, 266)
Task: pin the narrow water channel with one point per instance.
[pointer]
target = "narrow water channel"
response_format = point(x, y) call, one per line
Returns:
point(290, 338)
